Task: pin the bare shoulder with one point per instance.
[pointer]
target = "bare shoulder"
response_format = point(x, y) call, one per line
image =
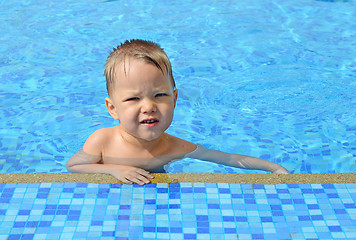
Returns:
point(180, 145)
point(96, 141)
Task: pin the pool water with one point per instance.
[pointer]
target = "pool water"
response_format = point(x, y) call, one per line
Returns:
point(274, 80)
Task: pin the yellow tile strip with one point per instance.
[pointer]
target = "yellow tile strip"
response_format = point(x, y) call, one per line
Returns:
point(184, 177)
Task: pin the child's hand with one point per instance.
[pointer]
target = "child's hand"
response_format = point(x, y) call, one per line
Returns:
point(130, 175)
point(281, 170)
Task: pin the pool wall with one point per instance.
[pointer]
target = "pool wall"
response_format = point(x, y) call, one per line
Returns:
point(178, 206)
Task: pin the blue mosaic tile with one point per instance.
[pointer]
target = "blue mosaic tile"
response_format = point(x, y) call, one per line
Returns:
point(177, 211)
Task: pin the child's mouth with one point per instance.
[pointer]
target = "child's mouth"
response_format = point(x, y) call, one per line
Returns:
point(150, 122)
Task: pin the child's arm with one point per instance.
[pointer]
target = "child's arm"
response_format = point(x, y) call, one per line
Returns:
point(82, 162)
point(236, 160)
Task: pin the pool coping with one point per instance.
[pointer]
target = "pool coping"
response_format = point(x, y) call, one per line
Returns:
point(265, 179)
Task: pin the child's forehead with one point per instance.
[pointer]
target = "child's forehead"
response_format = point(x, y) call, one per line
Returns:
point(126, 61)
point(128, 65)
point(129, 69)
point(131, 65)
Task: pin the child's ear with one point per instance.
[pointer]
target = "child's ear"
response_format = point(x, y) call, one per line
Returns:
point(175, 94)
point(111, 108)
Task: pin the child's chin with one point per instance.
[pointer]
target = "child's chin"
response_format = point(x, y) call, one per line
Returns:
point(150, 138)
point(144, 137)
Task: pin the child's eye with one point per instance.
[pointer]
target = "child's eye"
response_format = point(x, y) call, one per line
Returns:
point(132, 99)
point(161, 94)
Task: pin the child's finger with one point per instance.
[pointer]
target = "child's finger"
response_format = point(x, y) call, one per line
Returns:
point(125, 180)
point(137, 180)
point(135, 175)
point(144, 173)
point(140, 179)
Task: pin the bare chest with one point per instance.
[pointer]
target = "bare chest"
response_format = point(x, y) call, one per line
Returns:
point(148, 163)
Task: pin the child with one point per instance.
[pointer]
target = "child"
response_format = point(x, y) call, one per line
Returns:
point(142, 97)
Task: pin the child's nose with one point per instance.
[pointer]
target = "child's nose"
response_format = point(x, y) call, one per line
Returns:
point(148, 106)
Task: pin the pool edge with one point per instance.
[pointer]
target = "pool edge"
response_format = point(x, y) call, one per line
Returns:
point(265, 179)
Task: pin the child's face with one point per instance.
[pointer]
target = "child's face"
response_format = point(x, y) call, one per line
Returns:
point(143, 100)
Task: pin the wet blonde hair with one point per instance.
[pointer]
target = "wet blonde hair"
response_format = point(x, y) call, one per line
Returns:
point(147, 51)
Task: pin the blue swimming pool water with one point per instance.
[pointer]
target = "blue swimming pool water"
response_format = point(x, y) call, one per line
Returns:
point(275, 80)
